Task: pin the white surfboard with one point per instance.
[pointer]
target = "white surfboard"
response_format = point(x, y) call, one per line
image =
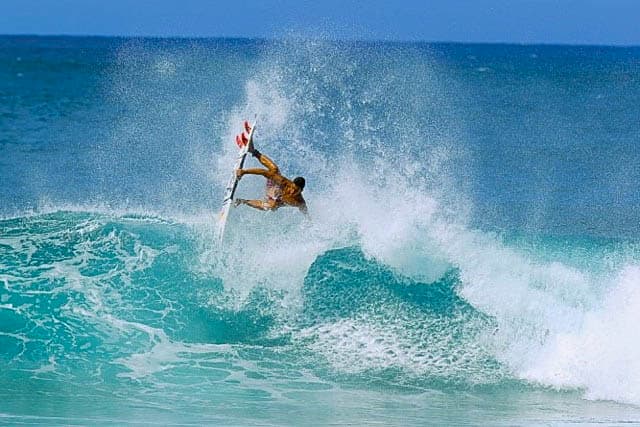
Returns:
point(230, 191)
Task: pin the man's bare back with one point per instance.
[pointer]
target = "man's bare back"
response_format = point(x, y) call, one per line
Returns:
point(280, 191)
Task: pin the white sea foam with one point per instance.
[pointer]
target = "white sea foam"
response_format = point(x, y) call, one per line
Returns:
point(549, 327)
point(353, 198)
point(602, 354)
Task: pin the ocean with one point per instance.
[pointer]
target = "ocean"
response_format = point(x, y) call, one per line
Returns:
point(472, 258)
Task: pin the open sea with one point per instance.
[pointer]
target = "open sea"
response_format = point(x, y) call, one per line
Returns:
point(473, 254)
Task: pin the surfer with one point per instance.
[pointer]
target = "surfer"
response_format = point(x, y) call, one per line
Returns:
point(280, 191)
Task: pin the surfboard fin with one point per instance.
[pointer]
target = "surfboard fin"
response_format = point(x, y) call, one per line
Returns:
point(247, 126)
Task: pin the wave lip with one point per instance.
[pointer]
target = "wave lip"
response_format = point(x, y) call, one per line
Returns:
point(603, 355)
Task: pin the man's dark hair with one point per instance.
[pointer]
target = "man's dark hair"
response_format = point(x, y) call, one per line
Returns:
point(299, 181)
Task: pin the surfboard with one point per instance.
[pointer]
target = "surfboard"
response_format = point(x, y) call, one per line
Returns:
point(243, 141)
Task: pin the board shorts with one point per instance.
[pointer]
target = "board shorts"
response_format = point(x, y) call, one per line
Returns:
point(273, 195)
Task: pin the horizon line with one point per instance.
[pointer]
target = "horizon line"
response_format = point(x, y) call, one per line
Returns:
point(354, 40)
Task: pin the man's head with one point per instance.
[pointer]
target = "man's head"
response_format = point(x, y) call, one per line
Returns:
point(299, 181)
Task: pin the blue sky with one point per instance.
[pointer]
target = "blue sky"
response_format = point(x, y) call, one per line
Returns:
point(613, 22)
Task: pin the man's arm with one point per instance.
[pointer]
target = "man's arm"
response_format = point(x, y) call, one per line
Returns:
point(273, 176)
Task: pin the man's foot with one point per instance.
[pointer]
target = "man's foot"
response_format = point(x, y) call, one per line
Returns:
point(251, 149)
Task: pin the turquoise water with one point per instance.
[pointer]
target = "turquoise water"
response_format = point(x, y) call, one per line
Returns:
point(472, 259)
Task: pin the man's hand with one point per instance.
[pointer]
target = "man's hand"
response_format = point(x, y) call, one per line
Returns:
point(239, 173)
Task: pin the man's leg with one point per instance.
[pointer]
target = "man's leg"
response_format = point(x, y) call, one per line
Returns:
point(256, 204)
point(266, 161)
point(272, 168)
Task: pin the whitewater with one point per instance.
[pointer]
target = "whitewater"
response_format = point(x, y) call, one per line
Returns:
point(472, 258)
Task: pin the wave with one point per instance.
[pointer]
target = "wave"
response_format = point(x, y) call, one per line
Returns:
point(83, 290)
point(389, 280)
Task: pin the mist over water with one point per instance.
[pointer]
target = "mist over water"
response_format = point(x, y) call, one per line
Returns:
point(473, 234)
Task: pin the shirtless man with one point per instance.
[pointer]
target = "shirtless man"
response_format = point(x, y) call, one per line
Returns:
point(280, 191)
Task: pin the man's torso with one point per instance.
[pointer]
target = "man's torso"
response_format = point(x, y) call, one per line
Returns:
point(280, 191)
